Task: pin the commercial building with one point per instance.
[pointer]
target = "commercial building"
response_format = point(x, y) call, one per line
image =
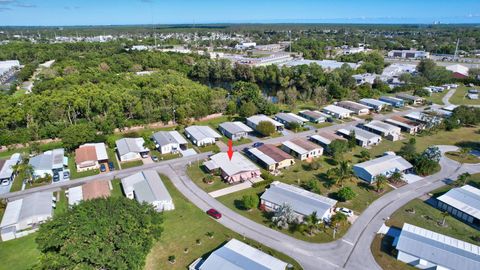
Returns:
point(89, 156)
point(289, 119)
point(410, 99)
point(383, 129)
point(357, 108)
point(7, 171)
point(24, 216)
point(462, 203)
point(395, 70)
point(458, 71)
point(364, 138)
point(303, 202)
point(337, 112)
point(377, 105)
point(395, 102)
point(245, 45)
point(302, 149)
point(202, 135)
point(404, 124)
point(409, 54)
point(427, 249)
point(88, 191)
point(131, 149)
point(169, 142)
point(385, 165)
point(49, 163)
point(325, 138)
point(314, 116)
point(147, 186)
point(254, 120)
point(236, 255)
point(235, 130)
point(238, 169)
point(271, 157)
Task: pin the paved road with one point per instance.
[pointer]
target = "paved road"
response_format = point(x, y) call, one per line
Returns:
point(350, 252)
point(448, 95)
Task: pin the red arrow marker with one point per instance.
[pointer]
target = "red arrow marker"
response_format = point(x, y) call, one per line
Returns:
point(230, 149)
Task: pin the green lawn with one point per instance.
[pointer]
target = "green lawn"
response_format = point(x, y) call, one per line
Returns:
point(131, 164)
point(460, 98)
point(469, 158)
point(237, 142)
point(112, 157)
point(19, 254)
point(320, 125)
point(437, 97)
point(73, 169)
point(117, 188)
point(43, 147)
point(62, 203)
point(186, 224)
point(17, 184)
point(164, 156)
point(197, 172)
point(207, 148)
point(383, 252)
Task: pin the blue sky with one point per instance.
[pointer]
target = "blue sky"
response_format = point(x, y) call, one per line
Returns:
point(107, 12)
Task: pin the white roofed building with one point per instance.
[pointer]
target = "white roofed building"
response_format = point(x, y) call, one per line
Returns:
point(254, 120)
point(235, 130)
point(238, 169)
point(383, 129)
point(302, 149)
point(289, 119)
point(49, 163)
point(386, 165)
point(169, 141)
point(236, 255)
point(131, 148)
point(462, 203)
point(337, 111)
point(364, 138)
point(202, 135)
point(357, 108)
point(7, 171)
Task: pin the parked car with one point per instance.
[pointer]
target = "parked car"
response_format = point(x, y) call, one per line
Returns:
point(56, 177)
point(103, 168)
point(110, 166)
point(347, 212)
point(258, 144)
point(144, 155)
point(66, 175)
point(155, 158)
point(5, 182)
point(214, 213)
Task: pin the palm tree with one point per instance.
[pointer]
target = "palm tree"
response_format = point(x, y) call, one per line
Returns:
point(380, 182)
point(312, 222)
point(332, 175)
point(337, 221)
point(464, 151)
point(345, 172)
point(396, 177)
point(444, 215)
point(462, 178)
point(364, 155)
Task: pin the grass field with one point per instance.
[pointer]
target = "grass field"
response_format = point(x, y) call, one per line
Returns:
point(382, 251)
point(43, 147)
point(182, 228)
point(73, 169)
point(19, 254)
point(237, 142)
point(460, 98)
point(131, 164)
point(469, 158)
point(207, 148)
point(437, 97)
point(197, 173)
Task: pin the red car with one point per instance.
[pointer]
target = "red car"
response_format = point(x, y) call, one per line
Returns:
point(214, 213)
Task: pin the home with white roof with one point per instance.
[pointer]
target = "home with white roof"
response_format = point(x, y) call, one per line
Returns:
point(7, 168)
point(239, 256)
point(462, 203)
point(404, 124)
point(270, 157)
point(425, 249)
point(235, 130)
point(24, 216)
point(129, 149)
point(376, 104)
point(169, 142)
point(337, 111)
point(302, 148)
point(254, 120)
point(238, 169)
point(386, 165)
point(289, 119)
point(303, 202)
point(364, 138)
point(357, 108)
point(147, 186)
point(51, 163)
point(383, 129)
point(202, 135)
point(324, 139)
point(314, 116)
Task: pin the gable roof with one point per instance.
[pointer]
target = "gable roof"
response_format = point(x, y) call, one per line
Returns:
point(326, 137)
point(465, 199)
point(202, 132)
point(237, 165)
point(6, 166)
point(314, 114)
point(337, 109)
point(130, 145)
point(256, 119)
point(147, 186)
point(383, 164)
point(301, 145)
point(302, 201)
point(236, 255)
point(96, 189)
point(360, 134)
point(270, 154)
point(439, 249)
point(235, 127)
point(381, 126)
point(291, 118)
point(85, 153)
point(374, 102)
point(53, 159)
point(168, 137)
point(32, 205)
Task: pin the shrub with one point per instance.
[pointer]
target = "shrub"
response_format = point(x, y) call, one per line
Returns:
point(266, 128)
point(346, 194)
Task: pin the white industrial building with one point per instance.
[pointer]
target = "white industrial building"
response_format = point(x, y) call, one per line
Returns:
point(408, 54)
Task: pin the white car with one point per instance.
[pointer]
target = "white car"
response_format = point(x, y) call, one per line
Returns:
point(5, 182)
point(347, 212)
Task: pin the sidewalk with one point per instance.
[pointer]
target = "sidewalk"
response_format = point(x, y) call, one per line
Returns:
point(235, 188)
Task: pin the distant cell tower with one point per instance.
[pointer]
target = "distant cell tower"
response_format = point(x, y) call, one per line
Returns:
point(456, 50)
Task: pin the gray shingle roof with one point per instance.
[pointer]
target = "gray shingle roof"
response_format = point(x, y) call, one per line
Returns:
point(438, 248)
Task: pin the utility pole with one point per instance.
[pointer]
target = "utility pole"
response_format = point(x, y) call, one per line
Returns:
point(290, 34)
point(456, 50)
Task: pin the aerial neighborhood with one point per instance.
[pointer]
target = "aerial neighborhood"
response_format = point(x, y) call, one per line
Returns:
point(232, 146)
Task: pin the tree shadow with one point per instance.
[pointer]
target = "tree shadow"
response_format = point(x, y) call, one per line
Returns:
point(331, 161)
point(364, 185)
point(239, 205)
point(468, 144)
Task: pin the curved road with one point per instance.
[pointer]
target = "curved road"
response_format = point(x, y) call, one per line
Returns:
point(450, 93)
